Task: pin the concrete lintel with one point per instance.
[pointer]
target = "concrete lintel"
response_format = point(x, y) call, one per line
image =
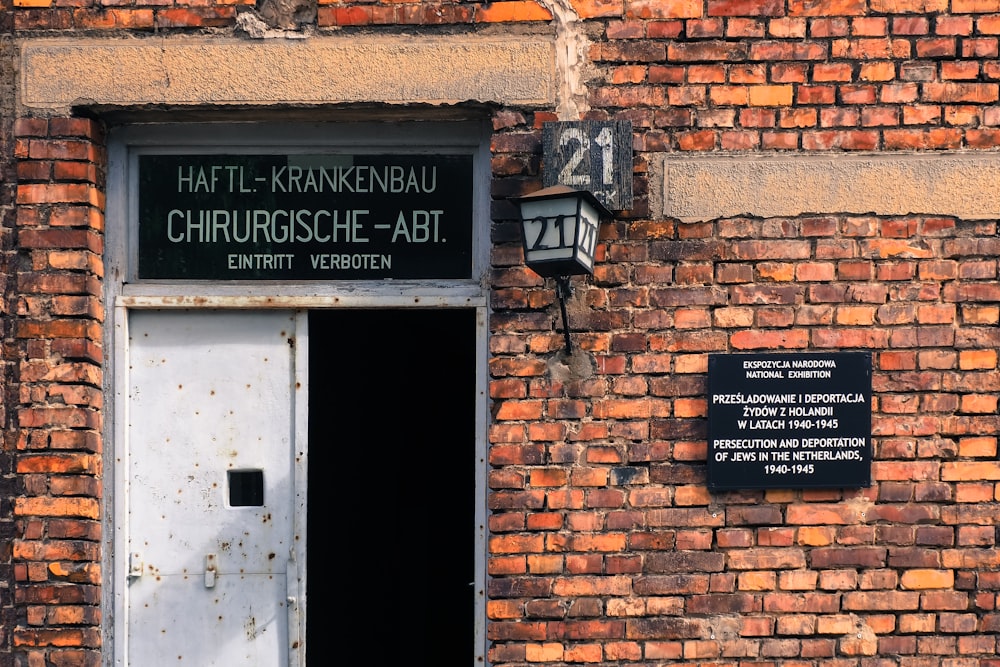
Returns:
point(701, 188)
point(57, 74)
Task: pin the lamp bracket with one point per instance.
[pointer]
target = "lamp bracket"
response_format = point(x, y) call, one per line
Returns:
point(563, 291)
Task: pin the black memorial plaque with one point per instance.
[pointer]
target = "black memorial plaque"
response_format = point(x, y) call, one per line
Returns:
point(305, 217)
point(789, 420)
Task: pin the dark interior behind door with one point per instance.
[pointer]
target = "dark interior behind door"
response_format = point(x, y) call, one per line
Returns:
point(391, 519)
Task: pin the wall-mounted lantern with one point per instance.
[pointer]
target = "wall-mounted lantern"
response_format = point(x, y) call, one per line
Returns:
point(559, 229)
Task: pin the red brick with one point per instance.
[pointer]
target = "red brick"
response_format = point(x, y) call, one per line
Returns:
point(654, 9)
point(952, 93)
point(746, 8)
point(704, 28)
point(744, 27)
point(826, 7)
point(705, 52)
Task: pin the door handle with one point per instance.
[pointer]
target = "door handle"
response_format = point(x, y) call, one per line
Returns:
point(211, 570)
point(134, 565)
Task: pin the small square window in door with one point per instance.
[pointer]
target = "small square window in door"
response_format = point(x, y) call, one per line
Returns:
point(246, 488)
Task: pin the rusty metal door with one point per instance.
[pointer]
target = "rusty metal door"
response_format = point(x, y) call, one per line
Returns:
point(211, 495)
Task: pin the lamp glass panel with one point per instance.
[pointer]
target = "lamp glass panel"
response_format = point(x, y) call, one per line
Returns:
point(549, 229)
point(590, 221)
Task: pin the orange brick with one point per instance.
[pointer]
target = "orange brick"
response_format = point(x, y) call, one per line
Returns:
point(733, 317)
point(691, 495)
point(951, 93)
point(545, 564)
point(504, 609)
point(603, 455)
point(855, 315)
point(772, 340)
point(701, 649)
point(661, 650)
point(519, 410)
point(811, 514)
point(62, 507)
point(546, 432)
point(981, 314)
point(779, 272)
point(54, 550)
point(592, 585)
point(977, 359)
point(511, 11)
point(979, 403)
point(878, 71)
point(984, 446)
point(975, 6)
point(548, 477)
point(542, 521)
point(628, 74)
point(826, 7)
point(612, 542)
point(58, 463)
point(796, 625)
point(622, 651)
point(917, 623)
point(589, 477)
point(729, 95)
point(936, 313)
point(771, 96)
point(548, 652)
point(690, 407)
point(816, 536)
point(657, 9)
point(690, 451)
point(970, 470)
point(692, 318)
point(589, 9)
point(583, 653)
point(919, 579)
point(798, 580)
point(756, 581)
point(507, 544)
point(838, 580)
point(836, 625)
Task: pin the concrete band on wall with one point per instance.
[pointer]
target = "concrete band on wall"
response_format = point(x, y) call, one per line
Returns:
point(515, 71)
point(963, 185)
point(319, 70)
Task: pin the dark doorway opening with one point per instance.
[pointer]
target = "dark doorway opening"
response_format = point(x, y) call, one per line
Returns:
point(391, 506)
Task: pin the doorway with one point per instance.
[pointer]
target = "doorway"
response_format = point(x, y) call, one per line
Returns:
point(391, 502)
point(215, 432)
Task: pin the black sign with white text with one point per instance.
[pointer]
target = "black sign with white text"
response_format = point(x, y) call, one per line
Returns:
point(789, 420)
point(590, 155)
point(305, 217)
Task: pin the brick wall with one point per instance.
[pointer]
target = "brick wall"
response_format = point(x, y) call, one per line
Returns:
point(9, 484)
point(56, 337)
point(605, 544)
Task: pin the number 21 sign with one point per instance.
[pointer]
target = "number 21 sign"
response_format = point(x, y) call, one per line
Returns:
point(591, 155)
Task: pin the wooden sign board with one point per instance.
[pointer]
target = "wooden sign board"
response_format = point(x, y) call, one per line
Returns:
point(591, 155)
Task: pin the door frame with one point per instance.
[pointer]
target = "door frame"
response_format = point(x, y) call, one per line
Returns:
point(122, 293)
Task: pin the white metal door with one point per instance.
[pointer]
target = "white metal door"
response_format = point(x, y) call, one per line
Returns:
point(211, 492)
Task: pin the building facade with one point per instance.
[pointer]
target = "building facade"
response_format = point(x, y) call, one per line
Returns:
point(279, 387)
